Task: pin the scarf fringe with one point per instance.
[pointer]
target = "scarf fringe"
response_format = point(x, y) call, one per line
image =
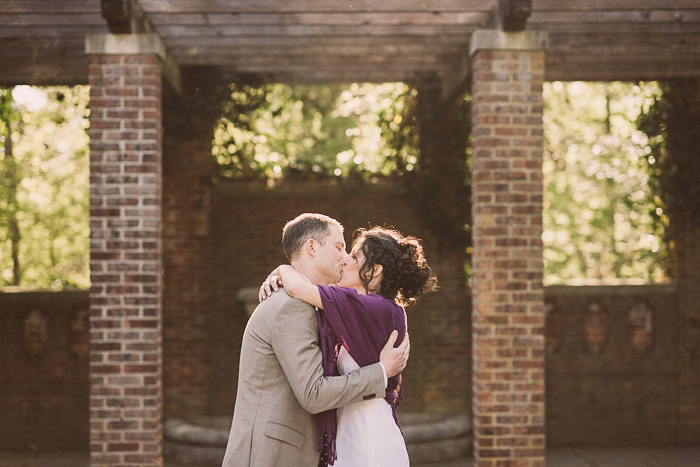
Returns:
point(326, 444)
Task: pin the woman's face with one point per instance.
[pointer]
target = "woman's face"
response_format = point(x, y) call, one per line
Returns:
point(351, 268)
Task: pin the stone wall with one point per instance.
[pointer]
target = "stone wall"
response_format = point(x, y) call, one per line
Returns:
point(688, 259)
point(612, 375)
point(608, 380)
point(44, 371)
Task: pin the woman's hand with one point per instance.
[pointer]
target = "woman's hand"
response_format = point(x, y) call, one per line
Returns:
point(394, 359)
point(271, 284)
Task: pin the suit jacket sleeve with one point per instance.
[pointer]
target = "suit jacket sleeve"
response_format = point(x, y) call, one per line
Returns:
point(294, 339)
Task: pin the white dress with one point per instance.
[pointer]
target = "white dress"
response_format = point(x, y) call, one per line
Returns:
point(367, 433)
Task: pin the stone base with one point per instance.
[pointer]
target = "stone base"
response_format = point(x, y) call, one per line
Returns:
point(429, 438)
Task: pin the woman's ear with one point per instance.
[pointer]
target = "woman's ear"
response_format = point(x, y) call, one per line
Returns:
point(378, 268)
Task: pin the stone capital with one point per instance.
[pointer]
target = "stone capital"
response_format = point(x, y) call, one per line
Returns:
point(492, 39)
point(125, 44)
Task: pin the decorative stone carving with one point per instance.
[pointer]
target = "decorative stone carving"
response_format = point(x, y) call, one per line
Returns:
point(595, 323)
point(35, 333)
point(641, 327)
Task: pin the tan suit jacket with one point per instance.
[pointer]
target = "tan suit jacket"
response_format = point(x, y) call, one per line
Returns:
point(281, 384)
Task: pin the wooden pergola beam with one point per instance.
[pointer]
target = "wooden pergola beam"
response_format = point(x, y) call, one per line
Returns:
point(125, 17)
point(513, 14)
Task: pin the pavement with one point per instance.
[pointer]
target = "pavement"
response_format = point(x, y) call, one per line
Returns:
point(568, 457)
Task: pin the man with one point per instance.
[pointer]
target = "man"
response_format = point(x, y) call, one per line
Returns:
point(280, 379)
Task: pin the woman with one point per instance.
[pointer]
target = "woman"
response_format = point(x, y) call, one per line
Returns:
point(384, 271)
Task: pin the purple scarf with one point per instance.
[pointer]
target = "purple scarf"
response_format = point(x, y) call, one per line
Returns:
point(362, 324)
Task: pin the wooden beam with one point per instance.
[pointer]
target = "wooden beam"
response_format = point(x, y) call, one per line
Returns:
point(568, 68)
point(314, 18)
point(49, 6)
point(513, 14)
point(310, 30)
point(312, 63)
point(117, 13)
point(602, 5)
point(246, 6)
point(125, 17)
point(300, 42)
point(648, 17)
point(340, 76)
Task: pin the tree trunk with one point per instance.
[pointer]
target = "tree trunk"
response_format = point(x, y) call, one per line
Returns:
point(12, 175)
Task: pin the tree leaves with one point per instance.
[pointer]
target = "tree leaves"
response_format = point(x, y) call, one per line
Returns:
point(599, 205)
point(50, 202)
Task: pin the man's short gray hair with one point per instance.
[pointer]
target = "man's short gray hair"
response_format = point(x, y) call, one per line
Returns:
point(303, 227)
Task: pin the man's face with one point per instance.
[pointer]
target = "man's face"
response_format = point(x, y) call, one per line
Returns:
point(329, 255)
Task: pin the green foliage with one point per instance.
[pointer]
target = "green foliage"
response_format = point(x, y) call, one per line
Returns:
point(599, 206)
point(602, 219)
point(278, 131)
point(45, 164)
point(670, 120)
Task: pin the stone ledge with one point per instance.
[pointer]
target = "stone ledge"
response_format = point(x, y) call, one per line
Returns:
point(124, 44)
point(492, 39)
point(429, 438)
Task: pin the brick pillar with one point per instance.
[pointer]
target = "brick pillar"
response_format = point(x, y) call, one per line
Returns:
point(508, 298)
point(125, 252)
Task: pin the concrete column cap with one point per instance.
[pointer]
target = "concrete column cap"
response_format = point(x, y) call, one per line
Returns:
point(125, 44)
point(493, 39)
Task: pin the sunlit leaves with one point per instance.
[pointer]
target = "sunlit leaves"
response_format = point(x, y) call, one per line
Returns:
point(280, 131)
point(51, 204)
point(598, 203)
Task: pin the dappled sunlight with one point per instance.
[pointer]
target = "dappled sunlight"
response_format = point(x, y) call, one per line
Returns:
point(598, 217)
point(47, 190)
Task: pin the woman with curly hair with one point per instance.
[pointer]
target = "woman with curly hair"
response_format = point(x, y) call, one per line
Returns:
point(384, 272)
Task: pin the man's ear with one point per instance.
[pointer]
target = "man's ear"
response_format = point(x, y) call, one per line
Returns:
point(310, 247)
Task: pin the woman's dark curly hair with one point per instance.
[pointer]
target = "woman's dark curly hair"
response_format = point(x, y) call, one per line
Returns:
point(405, 274)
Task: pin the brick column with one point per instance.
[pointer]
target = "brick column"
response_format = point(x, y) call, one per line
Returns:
point(508, 299)
point(125, 251)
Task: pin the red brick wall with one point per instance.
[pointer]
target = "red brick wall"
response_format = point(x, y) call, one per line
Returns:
point(125, 260)
point(508, 351)
point(601, 389)
point(688, 250)
point(187, 171)
point(614, 397)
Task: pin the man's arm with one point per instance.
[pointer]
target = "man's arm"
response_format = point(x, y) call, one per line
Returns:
point(295, 342)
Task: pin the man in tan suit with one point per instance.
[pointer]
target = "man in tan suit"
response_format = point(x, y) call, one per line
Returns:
point(280, 380)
